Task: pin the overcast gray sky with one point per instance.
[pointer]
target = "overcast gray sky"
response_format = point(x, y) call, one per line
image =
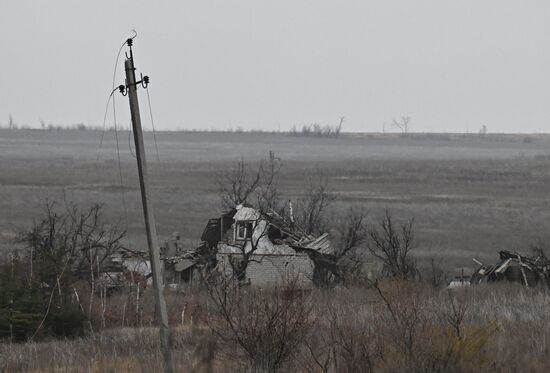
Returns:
point(452, 65)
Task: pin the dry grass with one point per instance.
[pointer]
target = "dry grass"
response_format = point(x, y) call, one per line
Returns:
point(411, 328)
point(117, 350)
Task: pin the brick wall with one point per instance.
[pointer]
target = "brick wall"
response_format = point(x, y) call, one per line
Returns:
point(272, 269)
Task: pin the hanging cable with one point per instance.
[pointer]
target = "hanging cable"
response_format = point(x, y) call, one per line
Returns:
point(119, 161)
point(130, 143)
point(110, 96)
point(122, 193)
point(104, 125)
point(152, 124)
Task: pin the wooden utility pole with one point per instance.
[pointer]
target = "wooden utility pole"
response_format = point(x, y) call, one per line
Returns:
point(152, 239)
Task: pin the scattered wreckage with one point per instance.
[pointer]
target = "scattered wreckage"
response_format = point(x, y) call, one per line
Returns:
point(256, 247)
point(124, 269)
point(265, 248)
point(529, 271)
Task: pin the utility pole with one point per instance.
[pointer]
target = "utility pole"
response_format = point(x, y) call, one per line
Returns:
point(152, 240)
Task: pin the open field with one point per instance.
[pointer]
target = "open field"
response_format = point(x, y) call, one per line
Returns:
point(469, 195)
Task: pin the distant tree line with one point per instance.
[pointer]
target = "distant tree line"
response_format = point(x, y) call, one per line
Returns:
point(317, 130)
point(312, 130)
point(13, 125)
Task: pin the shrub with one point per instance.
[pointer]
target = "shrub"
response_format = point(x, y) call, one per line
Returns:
point(267, 327)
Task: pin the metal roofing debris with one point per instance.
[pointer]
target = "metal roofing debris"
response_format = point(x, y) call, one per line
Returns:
point(183, 264)
point(516, 268)
point(320, 244)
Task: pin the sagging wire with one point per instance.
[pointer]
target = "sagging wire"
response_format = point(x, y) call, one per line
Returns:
point(110, 96)
point(119, 162)
point(152, 124)
point(104, 125)
point(122, 191)
point(130, 131)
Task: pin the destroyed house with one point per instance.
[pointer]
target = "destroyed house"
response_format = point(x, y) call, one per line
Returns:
point(265, 242)
point(265, 248)
point(256, 247)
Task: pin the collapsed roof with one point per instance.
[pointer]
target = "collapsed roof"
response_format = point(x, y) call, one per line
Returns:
point(279, 231)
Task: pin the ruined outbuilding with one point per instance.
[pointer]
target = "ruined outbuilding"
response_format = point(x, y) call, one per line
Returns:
point(179, 265)
point(123, 269)
point(513, 267)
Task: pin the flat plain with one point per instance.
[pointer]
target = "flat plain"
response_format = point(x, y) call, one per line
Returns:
point(470, 195)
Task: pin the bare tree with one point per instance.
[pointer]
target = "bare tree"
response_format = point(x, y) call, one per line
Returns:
point(11, 123)
point(352, 232)
point(66, 246)
point(403, 124)
point(352, 235)
point(76, 239)
point(243, 183)
point(352, 341)
point(312, 208)
point(392, 244)
point(237, 184)
point(483, 130)
point(267, 327)
point(455, 311)
point(259, 188)
point(345, 263)
point(436, 275)
point(268, 197)
point(344, 345)
point(339, 127)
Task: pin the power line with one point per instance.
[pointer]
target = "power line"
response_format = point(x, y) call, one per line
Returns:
point(119, 161)
point(153, 124)
point(130, 143)
point(110, 96)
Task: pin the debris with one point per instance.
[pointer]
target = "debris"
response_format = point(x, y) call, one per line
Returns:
point(514, 267)
point(458, 283)
point(461, 280)
point(124, 269)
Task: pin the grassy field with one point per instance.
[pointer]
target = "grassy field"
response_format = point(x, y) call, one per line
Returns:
point(470, 195)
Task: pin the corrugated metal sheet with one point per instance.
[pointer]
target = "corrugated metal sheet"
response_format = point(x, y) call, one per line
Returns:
point(320, 244)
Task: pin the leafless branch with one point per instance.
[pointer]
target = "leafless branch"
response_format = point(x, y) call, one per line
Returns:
point(402, 124)
point(392, 245)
